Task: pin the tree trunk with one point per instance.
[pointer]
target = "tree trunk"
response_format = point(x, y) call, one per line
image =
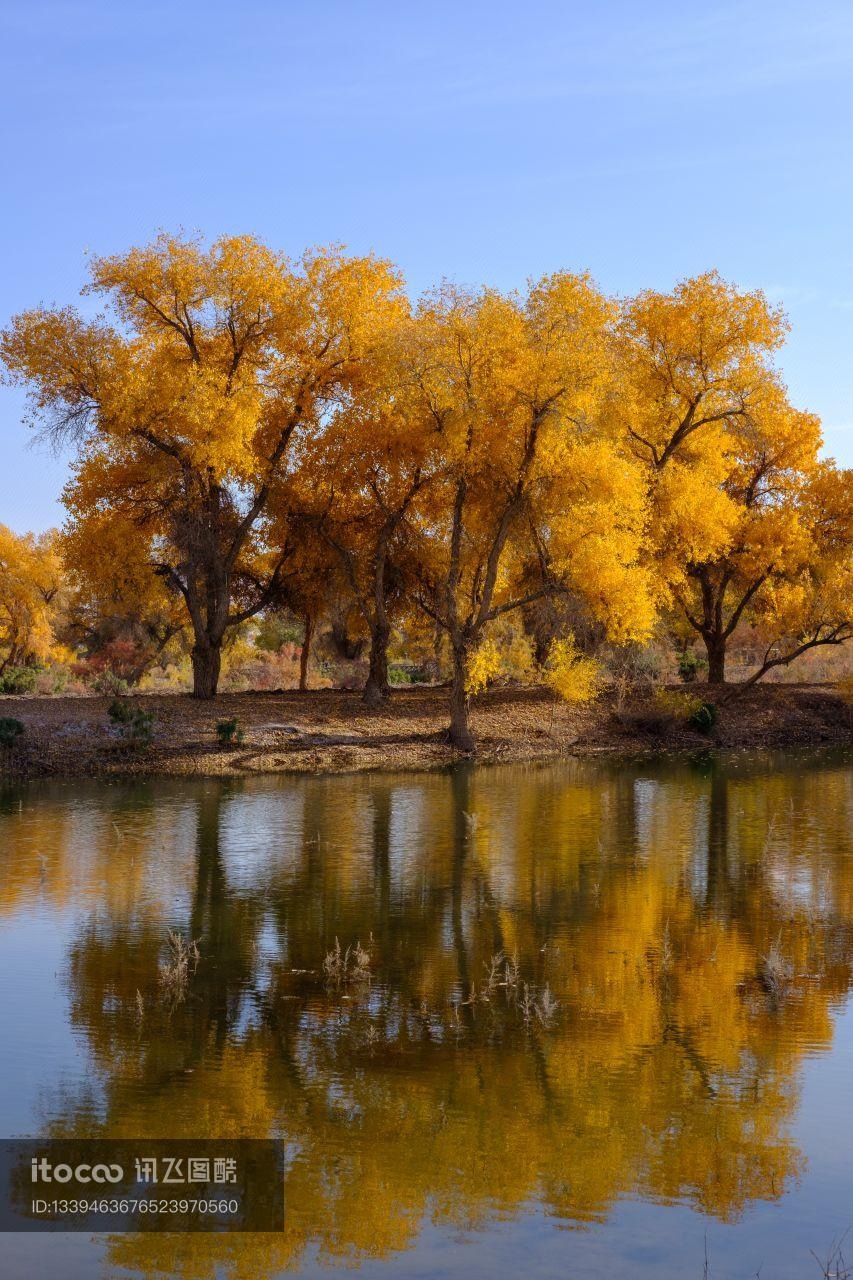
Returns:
point(305, 652)
point(206, 660)
point(715, 647)
point(376, 687)
point(719, 888)
point(460, 730)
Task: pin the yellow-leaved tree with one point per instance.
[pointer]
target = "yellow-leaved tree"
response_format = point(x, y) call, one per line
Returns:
point(693, 361)
point(359, 484)
point(186, 402)
point(116, 611)
point(514, 386)
point(729, 466)
point(784, 565)
point(30, 577)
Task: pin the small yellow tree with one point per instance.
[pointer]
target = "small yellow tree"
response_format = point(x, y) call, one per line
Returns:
point(574, 677)
point(115, 605)
point(783, 567)
point(30, 577)
point(745, 525)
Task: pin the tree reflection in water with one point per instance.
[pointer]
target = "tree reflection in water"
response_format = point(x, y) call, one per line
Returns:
point(694, 923)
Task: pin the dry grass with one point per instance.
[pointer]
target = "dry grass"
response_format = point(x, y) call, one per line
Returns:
point(345, 968)
point(833, 1266)
point(505, 994)
point(501, 971)
point(538, 1006)
point(776, 973)
point(181, 962)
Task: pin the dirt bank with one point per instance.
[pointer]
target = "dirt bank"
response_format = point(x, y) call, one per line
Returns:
point(327, 731)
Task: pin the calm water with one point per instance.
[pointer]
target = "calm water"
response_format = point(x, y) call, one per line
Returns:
point(606, 1017)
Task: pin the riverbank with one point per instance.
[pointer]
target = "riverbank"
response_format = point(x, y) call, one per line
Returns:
point(328, 731)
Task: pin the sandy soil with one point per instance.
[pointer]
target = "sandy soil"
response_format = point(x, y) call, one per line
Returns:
point(328, 731)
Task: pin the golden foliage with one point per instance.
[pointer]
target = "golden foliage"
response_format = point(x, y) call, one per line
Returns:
point(254, 430)
point(187, 408)
point(573, 677)
point(483, 666)
point(677, 703)
point(30, 576)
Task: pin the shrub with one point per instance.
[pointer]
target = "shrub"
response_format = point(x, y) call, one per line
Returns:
point(53, 679)
point(108, 683)
point(122, 658)
point(10, 731)
point(704, 717)
point(633, 664)
point(120, 711)
point(274, 631)
point(171, 677)
point(666, 710)
point(228, 732)
point(676, 705)
point(135, 725)
point(18, 680)
point(573, 677)
point(403, 673)
point(399, 673)
point(690, 663)
point(246, 667)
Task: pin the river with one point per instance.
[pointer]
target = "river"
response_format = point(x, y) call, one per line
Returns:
point(587, 1018)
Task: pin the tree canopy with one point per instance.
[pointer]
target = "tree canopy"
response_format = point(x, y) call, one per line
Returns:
point(259, 433)
point(185, 405)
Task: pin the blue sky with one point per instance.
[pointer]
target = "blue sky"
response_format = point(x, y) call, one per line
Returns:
point(485, 142)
